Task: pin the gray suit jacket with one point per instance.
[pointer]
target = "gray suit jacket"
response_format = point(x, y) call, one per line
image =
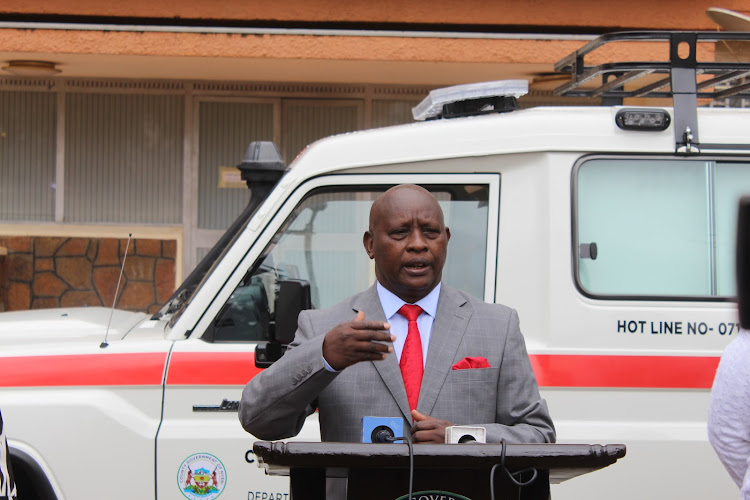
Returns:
point(503, 398)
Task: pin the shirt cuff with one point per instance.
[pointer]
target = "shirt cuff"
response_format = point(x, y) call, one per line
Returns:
point(328, 367)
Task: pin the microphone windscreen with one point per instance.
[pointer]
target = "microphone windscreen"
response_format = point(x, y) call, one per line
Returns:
point(381, 429)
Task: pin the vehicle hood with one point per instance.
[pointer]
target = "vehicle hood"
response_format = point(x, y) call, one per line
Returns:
point(66, 325)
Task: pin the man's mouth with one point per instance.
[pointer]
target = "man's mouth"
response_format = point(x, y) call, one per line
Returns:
point(417, 266)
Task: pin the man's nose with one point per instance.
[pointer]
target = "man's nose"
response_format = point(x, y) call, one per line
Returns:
point(417, 241)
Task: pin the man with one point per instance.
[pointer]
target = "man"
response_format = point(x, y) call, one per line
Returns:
point(455, 361)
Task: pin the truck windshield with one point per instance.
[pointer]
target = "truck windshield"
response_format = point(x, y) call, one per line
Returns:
point(321, 242)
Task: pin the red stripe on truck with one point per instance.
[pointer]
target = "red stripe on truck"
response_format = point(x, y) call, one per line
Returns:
point(211, 368)
point(658, 372)
point(83, 370)
point(236, 368)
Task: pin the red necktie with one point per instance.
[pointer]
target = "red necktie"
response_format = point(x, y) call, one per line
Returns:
point(411, 355)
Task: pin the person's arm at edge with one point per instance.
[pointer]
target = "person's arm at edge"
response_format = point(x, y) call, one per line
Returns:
point(727, 415)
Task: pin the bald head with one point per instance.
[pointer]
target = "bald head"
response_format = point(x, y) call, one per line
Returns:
point(408, 240)
point(402, 192)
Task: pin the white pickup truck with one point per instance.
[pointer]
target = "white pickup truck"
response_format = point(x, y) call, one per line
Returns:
point(610, 229)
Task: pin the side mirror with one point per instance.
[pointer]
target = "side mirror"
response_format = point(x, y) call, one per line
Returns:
point(743, 261)
point(293, 298)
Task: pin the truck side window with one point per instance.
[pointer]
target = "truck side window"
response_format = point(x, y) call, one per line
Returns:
point(321, 242)
point(657, 227)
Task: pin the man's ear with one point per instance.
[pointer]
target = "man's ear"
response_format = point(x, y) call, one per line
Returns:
point(367, 242)
point(448, 233)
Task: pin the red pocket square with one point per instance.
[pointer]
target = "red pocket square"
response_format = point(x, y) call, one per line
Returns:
point(472, 362)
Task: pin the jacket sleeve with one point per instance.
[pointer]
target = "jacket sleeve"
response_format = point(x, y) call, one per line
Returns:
point(276, 402)
point(521, 413)
point(729, 411)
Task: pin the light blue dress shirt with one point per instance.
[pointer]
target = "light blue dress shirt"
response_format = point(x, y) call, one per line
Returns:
point(400, 325)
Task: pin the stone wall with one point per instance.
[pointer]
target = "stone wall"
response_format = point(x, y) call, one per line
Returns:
point(44, 272)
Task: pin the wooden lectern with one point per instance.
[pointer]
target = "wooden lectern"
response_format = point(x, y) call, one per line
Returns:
point(339, 471)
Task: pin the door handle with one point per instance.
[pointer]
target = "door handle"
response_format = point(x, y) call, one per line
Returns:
point(225, 405)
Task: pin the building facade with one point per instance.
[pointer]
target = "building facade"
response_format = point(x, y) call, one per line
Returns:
point(121, 124)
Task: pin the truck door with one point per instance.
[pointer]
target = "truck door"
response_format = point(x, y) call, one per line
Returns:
point(316, 235)
point(653, 247)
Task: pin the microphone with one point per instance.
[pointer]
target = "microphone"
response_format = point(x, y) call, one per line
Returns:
point(385, 430)
point(382, 434)
point(459, 434)
point(382, 429)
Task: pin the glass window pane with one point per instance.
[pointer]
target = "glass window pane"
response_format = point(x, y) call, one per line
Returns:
point(321, 242)
point(225, 131)
point(324, 238)
point(467, 251)
point(731, 182)
point(123, 158)
point(27, 156)
point(650, 222)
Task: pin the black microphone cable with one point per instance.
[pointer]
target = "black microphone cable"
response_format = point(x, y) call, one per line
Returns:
point(512, 476)
point(408, 442)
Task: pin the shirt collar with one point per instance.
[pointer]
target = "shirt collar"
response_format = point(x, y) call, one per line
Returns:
point(392, 303)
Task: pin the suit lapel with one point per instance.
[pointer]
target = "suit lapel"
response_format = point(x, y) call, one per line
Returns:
point(447, 332)
point(388, 369)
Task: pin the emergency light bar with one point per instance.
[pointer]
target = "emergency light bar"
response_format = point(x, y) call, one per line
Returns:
point(472, 98)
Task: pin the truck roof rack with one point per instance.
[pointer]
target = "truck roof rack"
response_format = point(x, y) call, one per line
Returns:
point(685, 78)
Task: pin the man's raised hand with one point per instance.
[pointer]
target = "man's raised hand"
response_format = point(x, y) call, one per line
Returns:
point(358, 340)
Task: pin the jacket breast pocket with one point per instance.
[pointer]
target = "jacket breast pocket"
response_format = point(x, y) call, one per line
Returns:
point(471, 392)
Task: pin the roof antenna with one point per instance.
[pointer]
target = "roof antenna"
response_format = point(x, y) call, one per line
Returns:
point(117, 290)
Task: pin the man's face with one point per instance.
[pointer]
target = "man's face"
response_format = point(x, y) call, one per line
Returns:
point(408, 241)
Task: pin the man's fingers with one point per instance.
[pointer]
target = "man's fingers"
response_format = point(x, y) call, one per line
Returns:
point(427, 429)
point(373, 329)
point(370, 325)
point(368, 331)
point(418, 417)
point(376, 347)
point(357, 340)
